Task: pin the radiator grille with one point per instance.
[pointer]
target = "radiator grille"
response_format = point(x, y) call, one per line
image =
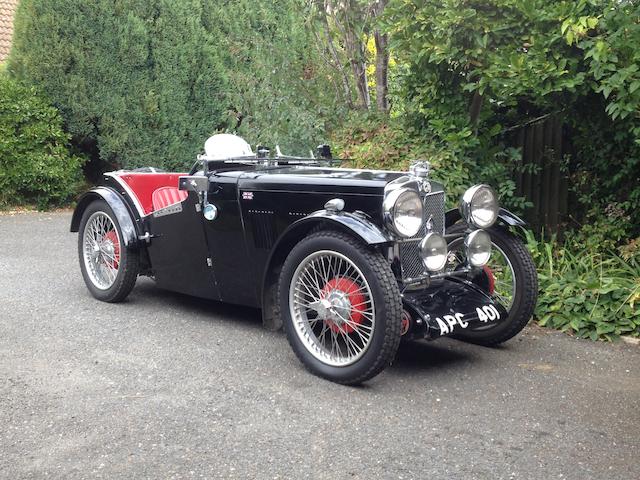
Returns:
point(410, 259)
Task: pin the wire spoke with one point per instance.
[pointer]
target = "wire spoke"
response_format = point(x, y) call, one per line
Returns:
point(332, 307)
point(355, 327)
point(501, 269)
point(101, 250)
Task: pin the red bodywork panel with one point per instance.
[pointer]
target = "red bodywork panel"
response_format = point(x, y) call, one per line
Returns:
point(154, 190)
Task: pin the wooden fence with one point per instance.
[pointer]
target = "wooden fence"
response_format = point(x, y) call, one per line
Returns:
point(540, 177)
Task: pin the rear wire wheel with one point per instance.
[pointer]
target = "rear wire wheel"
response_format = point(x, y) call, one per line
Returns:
point(109, 269)
point(341, 307)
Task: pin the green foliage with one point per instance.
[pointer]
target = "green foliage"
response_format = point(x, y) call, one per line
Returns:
point(505, 48)
point(136, 81)
point(585, 291)
point(145, 82)
point(522, 51)
point(474, 68)
point(605, 229)
point(376, 142)
point(469, 62)
point(610, 39)
point(380, 142)
point(280, 91)
point(36, 166)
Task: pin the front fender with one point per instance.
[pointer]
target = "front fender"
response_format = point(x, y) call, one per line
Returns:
point(122, 213)
point(505, 218)
point(355, 224)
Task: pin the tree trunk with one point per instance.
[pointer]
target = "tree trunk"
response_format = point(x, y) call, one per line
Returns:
point(475, 109)
point(382, 68)
point(382, 61)
point(346, 87)
point(344, 18)
point(359, 67)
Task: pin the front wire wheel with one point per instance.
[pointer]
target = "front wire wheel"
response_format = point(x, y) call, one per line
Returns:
point(341, 307)
point(332, 308)
point(510, 278)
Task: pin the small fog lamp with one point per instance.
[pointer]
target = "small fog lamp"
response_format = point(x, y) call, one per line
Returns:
point(478, 245)
point(433, 250)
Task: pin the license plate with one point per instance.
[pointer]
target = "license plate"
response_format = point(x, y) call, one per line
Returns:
point(455, 321)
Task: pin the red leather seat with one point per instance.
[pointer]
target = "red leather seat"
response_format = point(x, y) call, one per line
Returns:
point(153, 190)
point(166, 196)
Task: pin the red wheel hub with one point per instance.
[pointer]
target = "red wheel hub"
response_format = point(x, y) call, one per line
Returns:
point(112, 237)
point(357, 300)
point(490, 278)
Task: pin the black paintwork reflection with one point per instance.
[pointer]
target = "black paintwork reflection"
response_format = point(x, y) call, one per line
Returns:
point(226, 241)
point(312, 179)
point(277, 210)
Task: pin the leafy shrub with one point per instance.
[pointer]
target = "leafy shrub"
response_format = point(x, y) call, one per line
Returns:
point(586, 292)
point(145, 82)
point(378, 142)
point(471, 69)
point(35, 164)
point(606, 227)
point(280, 88)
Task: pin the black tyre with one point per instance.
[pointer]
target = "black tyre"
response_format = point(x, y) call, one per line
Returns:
point(341, 307)
point(511, 265)
point(109, 269)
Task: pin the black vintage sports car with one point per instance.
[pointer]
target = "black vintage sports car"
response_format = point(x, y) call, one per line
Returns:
point(348, 261)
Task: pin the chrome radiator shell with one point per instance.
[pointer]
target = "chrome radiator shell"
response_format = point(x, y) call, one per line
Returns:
point(409, 249)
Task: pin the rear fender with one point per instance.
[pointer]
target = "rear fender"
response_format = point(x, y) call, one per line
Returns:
point(122, 213)
point(354, 224)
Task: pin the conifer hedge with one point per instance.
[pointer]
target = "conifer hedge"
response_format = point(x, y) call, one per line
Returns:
point(137, 82)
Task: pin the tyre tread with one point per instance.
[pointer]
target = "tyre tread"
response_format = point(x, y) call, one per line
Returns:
point(393, 307)
point(130, 262)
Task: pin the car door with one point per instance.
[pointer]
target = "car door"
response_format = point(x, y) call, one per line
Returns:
point(179, 252)
point(226, 240)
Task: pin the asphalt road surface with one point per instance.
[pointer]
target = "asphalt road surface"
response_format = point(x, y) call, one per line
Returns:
point(168, 386)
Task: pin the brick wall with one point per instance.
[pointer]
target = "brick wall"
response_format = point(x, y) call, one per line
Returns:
point(7, 9)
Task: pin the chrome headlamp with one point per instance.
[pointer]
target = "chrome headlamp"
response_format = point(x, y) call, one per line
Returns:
point(479, 206)
point(403, 212)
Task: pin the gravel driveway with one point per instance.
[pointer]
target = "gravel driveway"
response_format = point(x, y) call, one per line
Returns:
point(168, 386)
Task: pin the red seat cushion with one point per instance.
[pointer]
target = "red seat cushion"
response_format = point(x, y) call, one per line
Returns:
point(165, 196)
point(144, 185)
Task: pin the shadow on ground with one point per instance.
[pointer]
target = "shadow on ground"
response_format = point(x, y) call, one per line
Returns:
point(412, 356)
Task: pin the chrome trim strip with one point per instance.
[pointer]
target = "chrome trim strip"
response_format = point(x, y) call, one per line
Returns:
point(130, 192)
